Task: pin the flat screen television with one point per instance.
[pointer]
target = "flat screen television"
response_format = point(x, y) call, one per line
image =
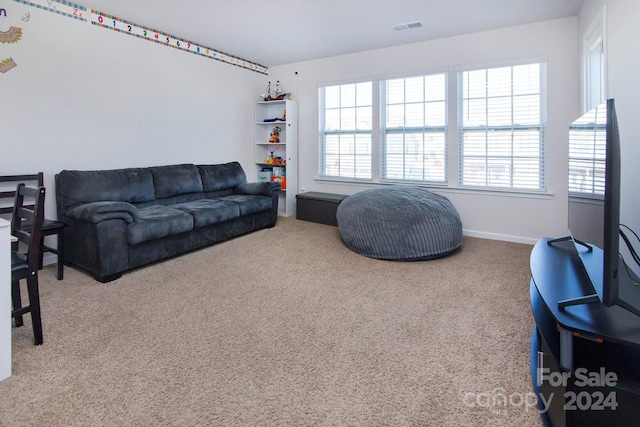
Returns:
point(612, 282)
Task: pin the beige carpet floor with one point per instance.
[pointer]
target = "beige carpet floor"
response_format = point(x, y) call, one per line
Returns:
point(283, 326)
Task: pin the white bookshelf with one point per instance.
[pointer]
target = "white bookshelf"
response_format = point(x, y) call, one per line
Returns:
point(286, 148)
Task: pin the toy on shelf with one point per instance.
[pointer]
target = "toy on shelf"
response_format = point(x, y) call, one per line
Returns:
point(275, 135)
point(277, 119)
point(275, 160)
point(267, 95)
point(272, 156)
point(279, 95)
point(279, 175)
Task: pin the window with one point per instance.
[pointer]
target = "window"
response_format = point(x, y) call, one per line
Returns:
point(587, 153)
point(502, 127)
point(595, 63)
point(345, 122)
point(414, 128)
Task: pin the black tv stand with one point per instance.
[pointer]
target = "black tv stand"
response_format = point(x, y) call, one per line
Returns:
point(587, 299)
point(592, 260)
point(570, 238)
point(584, 359)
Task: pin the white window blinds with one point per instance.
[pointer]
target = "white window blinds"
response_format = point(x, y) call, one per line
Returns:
point(414, 128)
point(502, 127)
point(345, 124)
point(587, 153)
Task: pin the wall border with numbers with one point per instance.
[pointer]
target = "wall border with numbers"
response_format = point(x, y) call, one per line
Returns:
point(104, 20)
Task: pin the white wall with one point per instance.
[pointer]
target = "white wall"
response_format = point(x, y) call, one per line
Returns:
point(488, 215)
point(84, 97)
point(623, 62)
point(622, 39)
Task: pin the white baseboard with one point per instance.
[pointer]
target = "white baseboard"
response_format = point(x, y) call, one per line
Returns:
point(48, 258)
point(503, 237)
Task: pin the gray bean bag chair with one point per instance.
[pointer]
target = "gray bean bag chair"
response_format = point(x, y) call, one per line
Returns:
point(399, 223)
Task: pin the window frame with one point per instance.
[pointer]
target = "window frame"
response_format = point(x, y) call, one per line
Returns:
point(541, 128)
point(453, 152)
point(404, 129)
point(323, 132)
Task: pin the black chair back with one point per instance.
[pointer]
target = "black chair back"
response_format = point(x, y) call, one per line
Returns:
point(27, 219)
point(8, 193)
point(49, 227)
point(26, 225)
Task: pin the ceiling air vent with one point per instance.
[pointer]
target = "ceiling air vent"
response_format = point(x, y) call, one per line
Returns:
point(409, 26)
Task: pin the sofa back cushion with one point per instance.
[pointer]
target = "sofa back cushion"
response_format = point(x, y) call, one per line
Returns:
point(74, 188)
point(226, 176)
point(175, 180)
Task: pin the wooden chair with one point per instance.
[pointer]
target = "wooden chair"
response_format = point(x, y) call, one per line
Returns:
point(49, 227)
point(26, 265)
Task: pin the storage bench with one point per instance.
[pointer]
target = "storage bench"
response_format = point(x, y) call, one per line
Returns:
point(318, 207)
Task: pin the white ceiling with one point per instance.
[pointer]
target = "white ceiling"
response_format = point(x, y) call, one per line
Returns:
point(276, 32)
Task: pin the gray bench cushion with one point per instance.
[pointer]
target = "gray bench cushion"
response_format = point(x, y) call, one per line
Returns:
point(209, 211)
point(401, 223)
point(155, 222)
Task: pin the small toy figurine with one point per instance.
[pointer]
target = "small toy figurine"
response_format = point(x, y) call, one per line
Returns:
point(267, 95)
point(279, 93)
point(275, 135)
point(272, 156)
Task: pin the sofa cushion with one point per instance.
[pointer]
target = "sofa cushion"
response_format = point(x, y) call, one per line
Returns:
point(155, 222)
point(118, 185)
point(173, 200)
point(258, 188)
point(222, 177)
point(176, 179)
point(249, 204)
point(209, 211)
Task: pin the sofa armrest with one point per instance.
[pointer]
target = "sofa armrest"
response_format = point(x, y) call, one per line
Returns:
point(96, 212)
point(257, 188)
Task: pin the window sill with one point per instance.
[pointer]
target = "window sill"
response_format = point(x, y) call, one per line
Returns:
point(586, 199)
point(443, 188)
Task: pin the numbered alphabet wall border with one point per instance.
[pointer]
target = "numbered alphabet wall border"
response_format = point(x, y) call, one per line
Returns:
point(104, 20)
point(10, 36)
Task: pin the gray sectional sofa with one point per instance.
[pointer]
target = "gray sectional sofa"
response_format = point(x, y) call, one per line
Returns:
point(121, 219)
